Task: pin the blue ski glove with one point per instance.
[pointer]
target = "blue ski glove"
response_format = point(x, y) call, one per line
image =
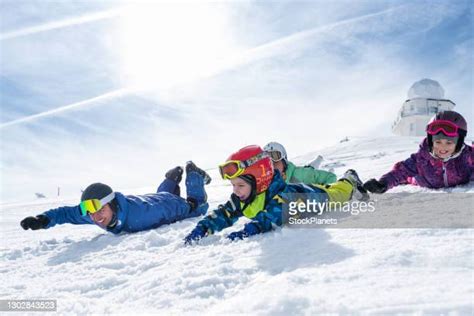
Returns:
point(249, 230)
point(197, 234)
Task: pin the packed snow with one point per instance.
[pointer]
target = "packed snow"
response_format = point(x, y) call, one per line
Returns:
point(298, 271)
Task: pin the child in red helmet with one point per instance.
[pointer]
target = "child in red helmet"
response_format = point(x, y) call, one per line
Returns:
point(256, 195)
point(443, 159)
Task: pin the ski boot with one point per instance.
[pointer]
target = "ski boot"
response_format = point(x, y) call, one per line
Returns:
point(175, 174)
point(359, 193)
point(191, 167)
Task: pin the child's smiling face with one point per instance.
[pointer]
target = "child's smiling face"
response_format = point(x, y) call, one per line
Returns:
point(241, 188)
point(443, 148)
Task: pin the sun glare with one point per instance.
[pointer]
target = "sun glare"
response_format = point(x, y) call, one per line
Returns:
point(166, 44)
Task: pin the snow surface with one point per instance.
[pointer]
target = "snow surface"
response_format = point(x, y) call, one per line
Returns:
point(298, 271)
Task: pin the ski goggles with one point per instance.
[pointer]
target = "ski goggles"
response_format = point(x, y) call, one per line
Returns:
point(275, 155)
point(94, 205)
point(446, 127)
point(231, 169)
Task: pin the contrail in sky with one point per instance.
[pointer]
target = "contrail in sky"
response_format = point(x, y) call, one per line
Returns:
point(62, 23)
point(253, 54)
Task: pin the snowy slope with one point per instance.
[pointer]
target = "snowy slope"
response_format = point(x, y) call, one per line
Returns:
point(303, 271)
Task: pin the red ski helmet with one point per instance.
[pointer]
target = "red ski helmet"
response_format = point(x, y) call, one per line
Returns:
point(252, 161)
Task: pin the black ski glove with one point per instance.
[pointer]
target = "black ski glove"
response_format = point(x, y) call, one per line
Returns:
point(375, 186)
point(35, 223)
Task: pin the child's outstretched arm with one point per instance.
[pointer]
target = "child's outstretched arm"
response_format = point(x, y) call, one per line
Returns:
point(263, 222)
point(400, 173)
point(224, 216)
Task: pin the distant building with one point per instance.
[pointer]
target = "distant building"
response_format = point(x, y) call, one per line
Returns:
point(425, 98)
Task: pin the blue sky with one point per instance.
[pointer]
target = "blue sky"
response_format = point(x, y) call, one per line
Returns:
point(119, 92)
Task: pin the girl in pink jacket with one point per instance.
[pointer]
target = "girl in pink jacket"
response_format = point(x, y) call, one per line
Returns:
point(443, 159)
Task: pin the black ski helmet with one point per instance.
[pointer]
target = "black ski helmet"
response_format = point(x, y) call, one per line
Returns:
point(96, 191)
point(455, 118)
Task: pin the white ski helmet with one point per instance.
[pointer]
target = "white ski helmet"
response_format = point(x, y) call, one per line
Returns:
point(276, 151)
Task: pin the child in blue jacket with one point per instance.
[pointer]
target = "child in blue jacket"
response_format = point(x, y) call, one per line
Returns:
point(118, 213)
point(257, 195)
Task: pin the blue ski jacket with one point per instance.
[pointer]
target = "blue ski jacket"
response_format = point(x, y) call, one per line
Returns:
point(265, 211)
point(134, 213)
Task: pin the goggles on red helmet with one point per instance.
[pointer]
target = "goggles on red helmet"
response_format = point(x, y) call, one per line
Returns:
point(233, 168)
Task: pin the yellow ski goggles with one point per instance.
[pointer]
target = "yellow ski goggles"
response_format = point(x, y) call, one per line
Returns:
point(231, 169)
point(94, 205)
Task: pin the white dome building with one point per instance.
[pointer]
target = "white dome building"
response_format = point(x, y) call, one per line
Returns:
point(425, 98)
